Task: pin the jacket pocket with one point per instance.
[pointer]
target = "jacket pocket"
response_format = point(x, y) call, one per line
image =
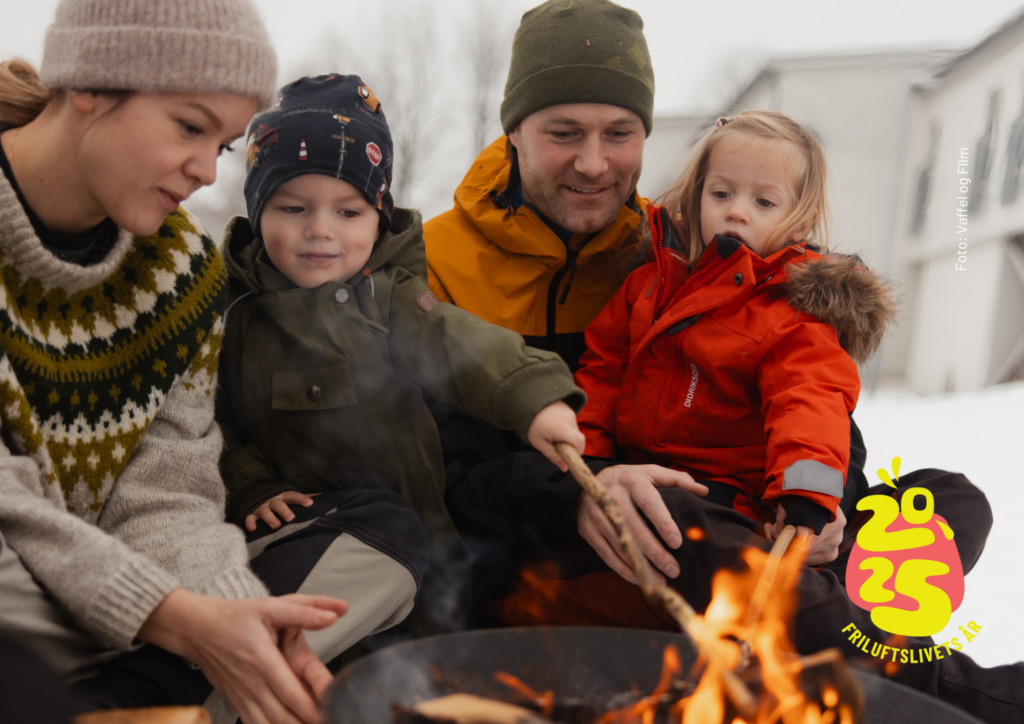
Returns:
point(323, 389)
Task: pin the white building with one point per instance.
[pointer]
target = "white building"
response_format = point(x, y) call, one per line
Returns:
point(893, 125)
point(959, 252)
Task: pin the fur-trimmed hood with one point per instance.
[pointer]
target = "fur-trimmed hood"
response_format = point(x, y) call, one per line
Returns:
point(841, 292)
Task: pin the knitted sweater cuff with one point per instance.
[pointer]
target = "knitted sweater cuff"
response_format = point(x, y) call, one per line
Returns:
point(119, 608)
point(237, 583)
point(530, 389)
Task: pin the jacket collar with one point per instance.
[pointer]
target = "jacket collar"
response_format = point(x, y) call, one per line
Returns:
point(746, 260)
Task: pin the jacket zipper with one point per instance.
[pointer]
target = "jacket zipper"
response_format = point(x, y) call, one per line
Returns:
point(553, 298)
point(679, 292)
point(657, 236)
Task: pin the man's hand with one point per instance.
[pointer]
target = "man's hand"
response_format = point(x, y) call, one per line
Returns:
point(251, 650)
point(279, 505)
point(823, 548)
point(555, 423)
point(635, 487)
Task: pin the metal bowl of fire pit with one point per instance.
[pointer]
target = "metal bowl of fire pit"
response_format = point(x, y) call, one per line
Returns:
point(588, 669)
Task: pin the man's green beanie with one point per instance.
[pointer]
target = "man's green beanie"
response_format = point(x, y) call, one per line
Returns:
point(578, 51)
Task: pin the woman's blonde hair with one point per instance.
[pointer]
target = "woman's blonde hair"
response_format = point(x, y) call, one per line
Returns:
point(22, 96)
point(682, 200)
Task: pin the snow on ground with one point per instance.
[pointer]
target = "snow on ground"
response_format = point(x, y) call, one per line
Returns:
point(980, 435)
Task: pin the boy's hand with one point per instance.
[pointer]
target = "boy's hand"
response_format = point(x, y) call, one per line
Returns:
point(279, 505)
point(555, 423)
point(823, 548)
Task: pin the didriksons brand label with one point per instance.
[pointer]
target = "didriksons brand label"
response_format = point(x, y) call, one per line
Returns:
point(693, 385)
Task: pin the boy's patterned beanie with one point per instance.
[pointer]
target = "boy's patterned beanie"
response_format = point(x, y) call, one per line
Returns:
point(332, 125)
point(188, 46)
point(578, 51)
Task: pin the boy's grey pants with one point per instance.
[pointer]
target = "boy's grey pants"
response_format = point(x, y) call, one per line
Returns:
point(333, 548)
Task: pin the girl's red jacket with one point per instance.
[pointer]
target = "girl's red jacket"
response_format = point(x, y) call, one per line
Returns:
point(713, 372)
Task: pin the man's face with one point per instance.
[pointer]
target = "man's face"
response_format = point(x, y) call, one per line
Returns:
point(580, 162)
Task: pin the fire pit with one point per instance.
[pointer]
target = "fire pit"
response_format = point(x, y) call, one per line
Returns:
point(587, 666)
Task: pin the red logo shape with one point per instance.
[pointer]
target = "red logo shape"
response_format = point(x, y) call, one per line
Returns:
point(905, 567)
point(373, 153)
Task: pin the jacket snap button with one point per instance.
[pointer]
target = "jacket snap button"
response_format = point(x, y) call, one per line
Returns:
point(738, 279)
point(341, 296)
point(313, 394)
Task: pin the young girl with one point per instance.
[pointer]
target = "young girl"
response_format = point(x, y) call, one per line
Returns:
point(734, 360)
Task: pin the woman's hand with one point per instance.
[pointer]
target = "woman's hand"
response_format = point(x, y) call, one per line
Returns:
point(555, 423)
point(633, 487)
point(279, 505)
point(252, 650)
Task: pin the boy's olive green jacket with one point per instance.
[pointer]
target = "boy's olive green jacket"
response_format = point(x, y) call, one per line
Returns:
point(323, 389)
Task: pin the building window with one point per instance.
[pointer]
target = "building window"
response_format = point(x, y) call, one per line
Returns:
point(983, 155)
point(1014, 159)
point(923, 192)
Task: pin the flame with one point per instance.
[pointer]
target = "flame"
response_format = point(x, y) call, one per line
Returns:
point(744, 628)
point(755, 606)
point(538, 594)
point(643, 710)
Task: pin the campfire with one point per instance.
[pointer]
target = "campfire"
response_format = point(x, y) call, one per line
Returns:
point(734, 665)
point(745, 668)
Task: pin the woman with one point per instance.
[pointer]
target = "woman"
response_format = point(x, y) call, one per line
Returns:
point(111, 302)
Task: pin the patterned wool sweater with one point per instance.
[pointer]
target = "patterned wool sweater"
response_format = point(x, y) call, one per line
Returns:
point(109, 487)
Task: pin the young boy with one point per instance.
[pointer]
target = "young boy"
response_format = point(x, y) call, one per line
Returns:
point(333, 338)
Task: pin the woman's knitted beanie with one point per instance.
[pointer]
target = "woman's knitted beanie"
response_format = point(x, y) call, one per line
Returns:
point(189, 46)
point(578, 51)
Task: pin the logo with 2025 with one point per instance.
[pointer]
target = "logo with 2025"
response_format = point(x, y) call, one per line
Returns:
point(905, 568)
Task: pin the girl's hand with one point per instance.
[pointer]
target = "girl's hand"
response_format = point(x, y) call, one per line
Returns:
point(251, 650)
point(279, 505)
point(823, 548)
point(555, 423)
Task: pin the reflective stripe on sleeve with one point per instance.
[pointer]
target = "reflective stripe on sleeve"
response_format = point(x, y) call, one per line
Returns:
point(814, 476)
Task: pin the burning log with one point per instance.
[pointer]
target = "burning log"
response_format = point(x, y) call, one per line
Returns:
point(658, 594)
point(465, 709)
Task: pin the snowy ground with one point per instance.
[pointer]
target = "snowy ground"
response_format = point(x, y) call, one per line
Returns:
point(981, 435)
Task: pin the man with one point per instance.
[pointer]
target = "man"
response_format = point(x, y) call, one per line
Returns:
point(554, 204)
point(545, 228)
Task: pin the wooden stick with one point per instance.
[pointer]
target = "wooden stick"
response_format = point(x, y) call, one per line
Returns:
point(764, 585)
point(155, 715)
point(652, 589)
point(469, 709)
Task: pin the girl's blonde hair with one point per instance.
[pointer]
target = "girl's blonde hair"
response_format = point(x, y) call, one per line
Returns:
point(682, 200)
point(22, 96)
